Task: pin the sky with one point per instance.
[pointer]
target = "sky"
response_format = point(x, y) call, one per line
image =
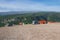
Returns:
point(29, 5)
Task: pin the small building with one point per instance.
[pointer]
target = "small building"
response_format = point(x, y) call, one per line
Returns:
point(40, 20)
point(20, 23)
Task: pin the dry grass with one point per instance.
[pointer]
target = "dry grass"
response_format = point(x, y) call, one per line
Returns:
point(31, 32)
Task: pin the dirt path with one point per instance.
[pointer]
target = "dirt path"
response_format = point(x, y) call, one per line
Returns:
point(31, 32)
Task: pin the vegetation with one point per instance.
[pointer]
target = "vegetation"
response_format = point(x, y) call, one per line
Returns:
point(2, 24)
point(28, 17)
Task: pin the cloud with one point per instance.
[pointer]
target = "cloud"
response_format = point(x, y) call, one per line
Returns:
point(26, 6)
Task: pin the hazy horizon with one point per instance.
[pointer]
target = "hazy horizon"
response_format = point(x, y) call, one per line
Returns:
point(29, 5)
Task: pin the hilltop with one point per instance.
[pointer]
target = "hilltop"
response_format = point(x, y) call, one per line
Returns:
point(17, 17)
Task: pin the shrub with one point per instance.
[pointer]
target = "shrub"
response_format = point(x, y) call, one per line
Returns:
point(2, 24)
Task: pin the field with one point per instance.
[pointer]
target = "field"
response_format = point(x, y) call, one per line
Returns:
point(31, 32)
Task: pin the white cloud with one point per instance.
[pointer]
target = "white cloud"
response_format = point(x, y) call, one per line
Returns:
point(23, 6)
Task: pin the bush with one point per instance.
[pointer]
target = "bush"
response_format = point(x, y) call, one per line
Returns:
point(2, 24)
point(16, 22)
point(10, 24)
point(13, 23)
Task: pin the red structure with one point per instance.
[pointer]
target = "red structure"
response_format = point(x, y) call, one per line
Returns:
point(42, 22)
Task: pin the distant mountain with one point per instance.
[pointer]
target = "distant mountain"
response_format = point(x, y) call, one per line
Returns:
point(9, 13)
point(20, 12)
point(15, 12)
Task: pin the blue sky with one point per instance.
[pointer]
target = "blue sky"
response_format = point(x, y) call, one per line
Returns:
point(29, 5)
